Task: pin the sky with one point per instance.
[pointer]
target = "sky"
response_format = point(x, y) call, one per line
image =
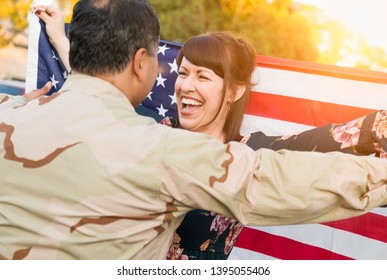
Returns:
point(366, 17)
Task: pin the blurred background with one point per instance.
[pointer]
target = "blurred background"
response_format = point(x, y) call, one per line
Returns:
point(339, 32)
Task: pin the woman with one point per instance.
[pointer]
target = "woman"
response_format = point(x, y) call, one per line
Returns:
point(212, 90)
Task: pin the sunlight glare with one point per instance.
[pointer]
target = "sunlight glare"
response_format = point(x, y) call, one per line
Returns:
point(366, 17)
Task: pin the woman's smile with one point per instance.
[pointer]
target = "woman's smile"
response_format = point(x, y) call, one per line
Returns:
point(190, 105)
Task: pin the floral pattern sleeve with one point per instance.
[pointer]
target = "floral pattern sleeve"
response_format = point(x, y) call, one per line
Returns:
point(364, 136)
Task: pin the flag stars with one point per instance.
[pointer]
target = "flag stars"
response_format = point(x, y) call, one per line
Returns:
point(150, 95)
point(173, 98)
point(162, 49)
point(160, 81)
point(54, 55)
point(53, 81)
point(162, 110)
point(173, 66)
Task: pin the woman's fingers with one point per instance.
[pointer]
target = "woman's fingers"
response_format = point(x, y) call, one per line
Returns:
point(39, 92)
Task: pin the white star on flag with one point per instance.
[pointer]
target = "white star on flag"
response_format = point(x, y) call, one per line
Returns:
point(160, 80)
point(150, 95)
point(162, 110)
point(54, 56)
point(173, 66)
point(53, 81)
point(162, 49)
point(173, 98)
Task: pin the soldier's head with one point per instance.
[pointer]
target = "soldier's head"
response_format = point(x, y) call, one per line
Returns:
point(105, 34)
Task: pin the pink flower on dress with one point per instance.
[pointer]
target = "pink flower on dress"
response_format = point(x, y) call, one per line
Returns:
point(379, 148)
point(205, 245)
point(380, 124)
point(176, 254)
point(348, 134)
point(232, 237)
point(220, 223)
point(166, 121)
point(174, 251)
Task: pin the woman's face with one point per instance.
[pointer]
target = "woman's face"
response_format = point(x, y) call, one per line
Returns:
point(199, 96)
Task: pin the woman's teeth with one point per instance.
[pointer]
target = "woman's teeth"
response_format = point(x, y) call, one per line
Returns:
point(193, 102)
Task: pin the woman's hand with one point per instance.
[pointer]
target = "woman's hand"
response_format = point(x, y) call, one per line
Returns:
point(38, 92)
point(9, 102)
point(54, 21)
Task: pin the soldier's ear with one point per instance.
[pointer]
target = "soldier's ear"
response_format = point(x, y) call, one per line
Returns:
point(138, 61)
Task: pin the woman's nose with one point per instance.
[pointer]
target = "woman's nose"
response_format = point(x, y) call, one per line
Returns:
point(187, 84)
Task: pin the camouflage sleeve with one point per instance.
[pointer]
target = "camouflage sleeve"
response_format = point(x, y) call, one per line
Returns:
point(271, 188)
point(8, 101)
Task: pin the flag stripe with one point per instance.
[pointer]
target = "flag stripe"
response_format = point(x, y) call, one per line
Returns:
point(33, 54)
point(288, 102)
point(303, 111)
point(266, 244)
point(239, 253)
point(336, 240)
point(252, 123)
point(321, 88)
point(370, 225)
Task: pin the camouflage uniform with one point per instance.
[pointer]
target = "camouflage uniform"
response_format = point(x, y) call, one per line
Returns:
point(85, 177)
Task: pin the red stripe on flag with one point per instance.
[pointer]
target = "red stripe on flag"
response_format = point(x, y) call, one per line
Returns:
point(369, 225)
point(283, 248)
point(302, 111)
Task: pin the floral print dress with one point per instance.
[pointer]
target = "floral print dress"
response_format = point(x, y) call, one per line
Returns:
point(208, 235)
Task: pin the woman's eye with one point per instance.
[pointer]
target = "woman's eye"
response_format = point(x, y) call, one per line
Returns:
point(204, 77)
point(182, 73)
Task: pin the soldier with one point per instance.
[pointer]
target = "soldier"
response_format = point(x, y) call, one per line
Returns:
point(85, 177)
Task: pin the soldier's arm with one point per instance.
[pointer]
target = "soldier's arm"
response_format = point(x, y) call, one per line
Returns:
point(271, 188)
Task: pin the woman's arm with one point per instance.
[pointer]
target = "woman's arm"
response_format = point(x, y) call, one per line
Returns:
point(363, 136)
point(54, 21)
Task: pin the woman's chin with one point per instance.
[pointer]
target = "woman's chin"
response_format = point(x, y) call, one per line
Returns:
point(187, 124)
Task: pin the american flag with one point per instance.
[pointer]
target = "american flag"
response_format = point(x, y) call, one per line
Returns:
point(291, 96)
point(44, 65)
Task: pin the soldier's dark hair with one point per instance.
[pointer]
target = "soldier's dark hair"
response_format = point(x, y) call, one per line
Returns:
point(105, 34)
